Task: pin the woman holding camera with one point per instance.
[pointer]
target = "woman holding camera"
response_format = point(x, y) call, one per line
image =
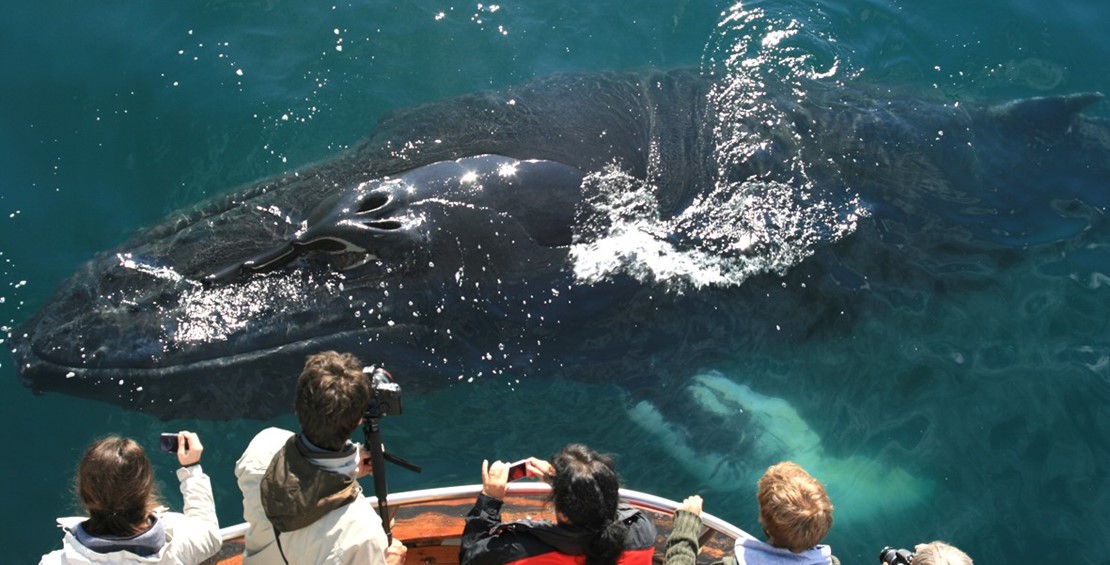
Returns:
point(592, 527)
point(126, 522)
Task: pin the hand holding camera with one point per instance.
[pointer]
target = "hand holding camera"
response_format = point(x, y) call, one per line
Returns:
point(496, 476)
point(186, 445)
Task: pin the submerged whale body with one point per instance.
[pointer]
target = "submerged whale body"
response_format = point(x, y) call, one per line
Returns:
point(544, 228)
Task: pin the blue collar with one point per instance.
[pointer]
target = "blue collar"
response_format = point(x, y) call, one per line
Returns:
point(145, 544)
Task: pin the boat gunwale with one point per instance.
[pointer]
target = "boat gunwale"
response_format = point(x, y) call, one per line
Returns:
point(636, 498)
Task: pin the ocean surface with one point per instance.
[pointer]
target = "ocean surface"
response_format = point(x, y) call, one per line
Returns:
point(977, 414)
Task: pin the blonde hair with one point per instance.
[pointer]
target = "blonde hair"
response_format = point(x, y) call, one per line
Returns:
point(793, 507)
point(939, 553)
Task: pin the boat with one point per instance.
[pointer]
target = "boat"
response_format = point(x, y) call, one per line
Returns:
point(430, 522)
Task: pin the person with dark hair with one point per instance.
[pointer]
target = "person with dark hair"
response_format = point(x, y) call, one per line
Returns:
point(592, 526)
point(794, 510)
point(126, 522)
point(301, 496)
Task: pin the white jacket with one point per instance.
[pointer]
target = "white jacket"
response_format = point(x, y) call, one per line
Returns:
point(191, 537)
point(350, 534)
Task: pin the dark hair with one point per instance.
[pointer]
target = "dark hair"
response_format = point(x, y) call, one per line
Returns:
point(116, 486)
point(332, 393)
point(585, 490)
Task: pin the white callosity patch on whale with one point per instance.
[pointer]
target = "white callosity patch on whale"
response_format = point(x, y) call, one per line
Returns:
point(768, 430)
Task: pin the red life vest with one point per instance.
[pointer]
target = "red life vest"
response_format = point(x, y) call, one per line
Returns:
point(628, 557)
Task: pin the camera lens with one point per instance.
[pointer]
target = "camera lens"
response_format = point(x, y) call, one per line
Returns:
point(886, 554)
point(895, 556)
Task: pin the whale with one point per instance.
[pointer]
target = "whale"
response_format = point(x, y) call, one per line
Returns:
point(751, 431)
point(541, 230)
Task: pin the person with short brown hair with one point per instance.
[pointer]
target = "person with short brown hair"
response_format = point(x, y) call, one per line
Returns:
point(301, 496)
point(127, 522)
point(793, 507)
point(794, 510)
point(332, 393)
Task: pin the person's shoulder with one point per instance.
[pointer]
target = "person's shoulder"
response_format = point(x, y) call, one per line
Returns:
point(639, 524)
point(260, 451)
point(71, 552)
point(273, 437)
point(361, 509)
point(52, 558)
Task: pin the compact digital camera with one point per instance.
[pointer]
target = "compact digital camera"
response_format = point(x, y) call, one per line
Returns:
point(895, 556)
point(385, 394)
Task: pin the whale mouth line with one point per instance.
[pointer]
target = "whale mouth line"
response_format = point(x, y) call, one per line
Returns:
point(35, 367)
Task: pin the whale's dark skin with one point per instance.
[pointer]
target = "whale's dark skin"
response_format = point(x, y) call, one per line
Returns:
point(391, 252)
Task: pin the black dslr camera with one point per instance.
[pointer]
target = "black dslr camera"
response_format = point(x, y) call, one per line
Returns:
point(895, 556)
point(385, 399)
point(385, 394)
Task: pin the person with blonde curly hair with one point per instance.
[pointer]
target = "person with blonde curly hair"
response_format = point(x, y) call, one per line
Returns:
point(938, 553)
point(794, 510)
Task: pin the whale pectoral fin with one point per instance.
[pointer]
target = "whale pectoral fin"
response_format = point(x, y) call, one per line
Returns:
point(706, 430)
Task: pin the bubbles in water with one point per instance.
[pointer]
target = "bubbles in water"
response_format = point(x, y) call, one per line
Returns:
point(1035, 73)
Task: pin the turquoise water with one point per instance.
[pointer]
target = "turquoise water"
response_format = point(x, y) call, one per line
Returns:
point(975, 416)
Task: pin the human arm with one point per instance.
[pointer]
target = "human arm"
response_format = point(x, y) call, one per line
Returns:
point(196, 534)
point(196, 486)
point(682, 544)
point(474, 547)
point(189, 448)
point(540, 469)
point(495, 476)
point(396, 553)
point(485, 540)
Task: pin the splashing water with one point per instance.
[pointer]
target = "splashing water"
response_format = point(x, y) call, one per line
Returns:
point(762, 211)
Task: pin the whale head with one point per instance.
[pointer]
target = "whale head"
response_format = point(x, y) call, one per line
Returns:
point(242, 289)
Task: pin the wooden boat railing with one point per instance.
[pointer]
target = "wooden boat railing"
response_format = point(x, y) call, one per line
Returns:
point(430, 522)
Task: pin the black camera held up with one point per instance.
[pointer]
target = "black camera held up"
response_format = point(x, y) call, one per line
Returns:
point(385, 400)
point(385, 394)
point(895, 556)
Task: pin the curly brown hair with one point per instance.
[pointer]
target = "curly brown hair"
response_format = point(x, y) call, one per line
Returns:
point(332, 393)
point(794, 508)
